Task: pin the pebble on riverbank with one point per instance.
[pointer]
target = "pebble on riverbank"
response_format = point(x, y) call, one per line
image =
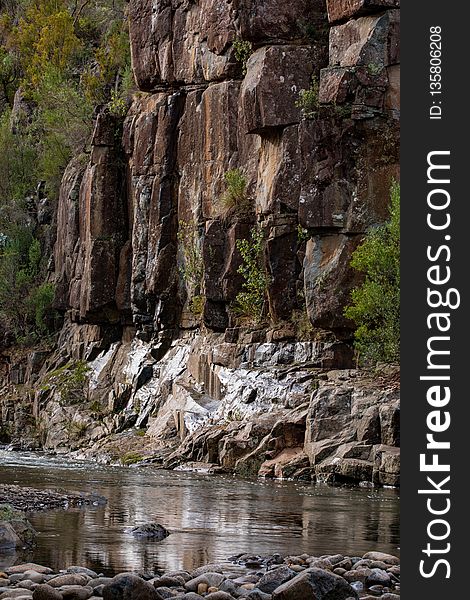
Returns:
point(374, 575)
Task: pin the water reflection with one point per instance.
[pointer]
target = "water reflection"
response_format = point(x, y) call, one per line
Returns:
point(211, 518)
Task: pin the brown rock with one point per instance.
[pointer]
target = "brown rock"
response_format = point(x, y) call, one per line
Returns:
point(275, 76)
point(22, 568)
point(208, 147)
point(65, 250)
point(340, 10)
point(46, 592)
point(357, 575)
point(76, 592)
point(284, 464)
point(368, 41)
point(283, 269)
point(277, 189)
point(73, 579)
point(329, 279)
point(274, 19)
point(150, 37)
point(127, 586)
point(316, 584)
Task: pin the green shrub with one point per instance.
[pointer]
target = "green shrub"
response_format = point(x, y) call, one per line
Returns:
point(117, 105)
point(375, 304)
point(18, 164)
point(69, 381)
point(64, 125)
point(8, 513)
point(41, 301)
point(251, 301)
point(308, 100)
point(25, 299)
point(131, 458)
point(303, 234)
point(192, 269)
point(243, 50)
point(196, 305)
point(235, 199)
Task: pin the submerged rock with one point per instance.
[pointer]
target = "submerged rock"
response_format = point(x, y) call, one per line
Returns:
point(154, 531)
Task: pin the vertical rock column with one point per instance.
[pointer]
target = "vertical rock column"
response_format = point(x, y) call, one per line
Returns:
point(350, 153)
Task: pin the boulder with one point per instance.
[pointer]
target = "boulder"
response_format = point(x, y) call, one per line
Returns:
point(46, 592)
point(17, 593)
point(76, 592)
point(82, 571)
point(208, 579)
point(127, 586)
point(274, 578)
point(378, 577)
point(315, 584)
point(68, 579)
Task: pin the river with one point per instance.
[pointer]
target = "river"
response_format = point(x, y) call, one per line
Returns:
point(210, 517)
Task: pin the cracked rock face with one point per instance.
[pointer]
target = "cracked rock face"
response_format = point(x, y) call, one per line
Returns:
point(219, 89)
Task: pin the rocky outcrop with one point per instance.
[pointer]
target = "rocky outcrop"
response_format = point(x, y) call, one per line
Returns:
point(353, 431)
point(147, 256)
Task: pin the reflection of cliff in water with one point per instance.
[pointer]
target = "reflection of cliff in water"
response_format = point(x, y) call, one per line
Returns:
point(211, 518)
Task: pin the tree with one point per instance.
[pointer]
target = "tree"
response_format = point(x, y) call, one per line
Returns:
point(375, 306)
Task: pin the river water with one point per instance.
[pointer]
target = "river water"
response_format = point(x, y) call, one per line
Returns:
point(210, 517)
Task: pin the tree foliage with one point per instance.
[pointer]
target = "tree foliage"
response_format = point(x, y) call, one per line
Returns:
point(375, 306)
point(58, 59)
point(250, 302)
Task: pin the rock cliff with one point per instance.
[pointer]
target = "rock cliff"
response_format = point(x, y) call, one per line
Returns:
point(146, 262)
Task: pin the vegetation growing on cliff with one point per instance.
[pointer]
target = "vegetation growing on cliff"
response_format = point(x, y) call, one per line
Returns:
point(58, 59)
point(235, 200)
point(242, 50)
point(192, 269)
point(375, 306)
point(69, 381)
point(308, 100)
point(250, 303)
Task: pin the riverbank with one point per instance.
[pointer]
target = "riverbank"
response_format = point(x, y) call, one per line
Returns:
point(267, 578)
point(32, 500)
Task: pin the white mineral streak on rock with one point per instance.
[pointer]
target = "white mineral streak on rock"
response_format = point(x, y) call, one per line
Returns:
point(100, 362)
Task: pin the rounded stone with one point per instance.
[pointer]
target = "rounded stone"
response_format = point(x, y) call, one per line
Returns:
point(76, 592)
point(128, 586)
point(35, 576)
point(46, 592)
point(29, 567)
point(69, 579)
point(378, 577)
